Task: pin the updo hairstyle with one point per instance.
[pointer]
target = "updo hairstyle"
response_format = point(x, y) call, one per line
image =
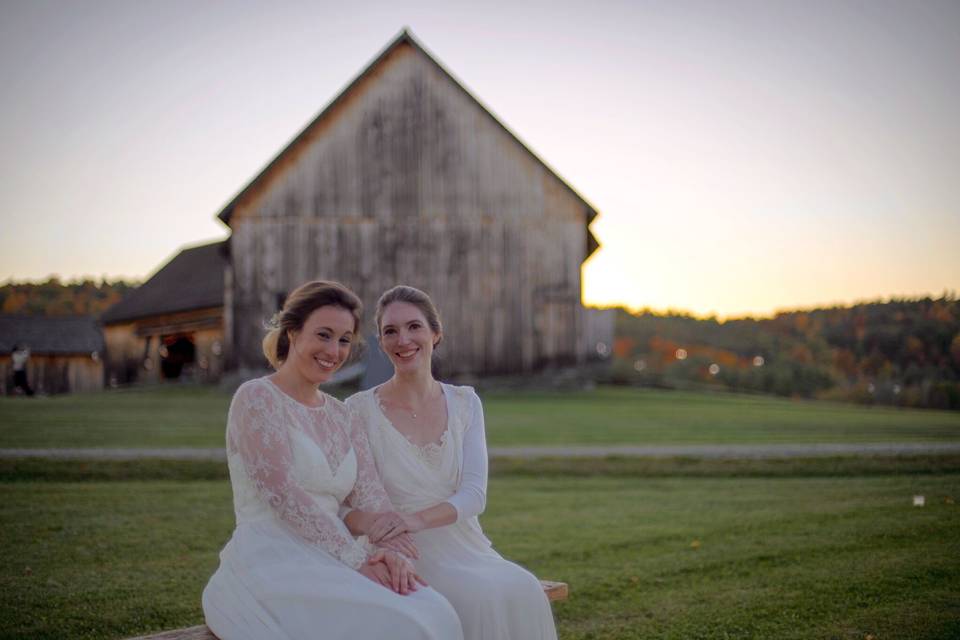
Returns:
point(298, 306)
point(416, 297)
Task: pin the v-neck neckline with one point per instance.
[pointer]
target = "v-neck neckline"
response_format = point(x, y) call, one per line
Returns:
point(334, 470)
point(444, 435)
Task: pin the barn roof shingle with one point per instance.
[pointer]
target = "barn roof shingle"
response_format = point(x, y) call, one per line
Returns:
point(404, 38)
point(193, 279)
point(51, 335)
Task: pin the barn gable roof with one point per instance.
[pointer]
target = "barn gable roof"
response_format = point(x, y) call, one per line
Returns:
point(193, 279)
point(51, 335)
point(405, 38)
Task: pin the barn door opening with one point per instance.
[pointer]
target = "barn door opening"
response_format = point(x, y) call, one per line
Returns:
point(176, 353)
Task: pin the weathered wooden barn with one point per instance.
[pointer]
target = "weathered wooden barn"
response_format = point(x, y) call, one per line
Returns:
point(405, 177)
point(170, 327)
point(66, 352)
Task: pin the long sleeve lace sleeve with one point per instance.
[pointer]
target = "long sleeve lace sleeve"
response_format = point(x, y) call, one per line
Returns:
point(368, 493)
point(256, 431)
point(471, 497)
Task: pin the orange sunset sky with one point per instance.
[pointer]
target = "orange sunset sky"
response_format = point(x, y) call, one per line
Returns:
point(744, 156)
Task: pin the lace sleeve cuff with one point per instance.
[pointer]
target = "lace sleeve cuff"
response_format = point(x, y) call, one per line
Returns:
point(357, 554)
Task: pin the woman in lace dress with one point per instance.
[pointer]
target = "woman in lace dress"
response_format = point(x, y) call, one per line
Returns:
point(292, 570)
point(430, 449)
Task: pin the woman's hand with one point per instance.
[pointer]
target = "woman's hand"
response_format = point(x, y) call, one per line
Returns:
point(403, 578)
point(378, 573)
point(380, 523)
point(402, 543)
point(391, 524)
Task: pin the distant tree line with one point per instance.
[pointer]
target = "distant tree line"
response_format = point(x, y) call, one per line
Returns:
point(56, 298)
point(905, 352)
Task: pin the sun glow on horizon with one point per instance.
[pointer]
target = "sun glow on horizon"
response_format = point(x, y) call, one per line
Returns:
point(744, 159)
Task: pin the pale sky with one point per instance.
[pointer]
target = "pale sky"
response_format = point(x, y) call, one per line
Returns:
point(744, 156)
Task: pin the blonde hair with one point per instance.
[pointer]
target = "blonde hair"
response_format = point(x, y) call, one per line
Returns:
point(416, 297)
point(298, 306)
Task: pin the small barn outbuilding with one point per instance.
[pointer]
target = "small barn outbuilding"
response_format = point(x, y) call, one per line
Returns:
point(66, 352)
point(170, 327)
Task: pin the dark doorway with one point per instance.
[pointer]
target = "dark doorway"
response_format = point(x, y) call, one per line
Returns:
point(176, 353)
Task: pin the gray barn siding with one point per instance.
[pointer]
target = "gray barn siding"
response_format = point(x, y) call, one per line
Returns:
point(411, 181)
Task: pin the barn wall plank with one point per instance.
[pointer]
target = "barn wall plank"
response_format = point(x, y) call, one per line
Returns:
point(411, 182)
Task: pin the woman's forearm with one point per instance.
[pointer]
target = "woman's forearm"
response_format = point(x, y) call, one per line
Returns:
point(365, 522)
point(439, 515)
point(359, 522)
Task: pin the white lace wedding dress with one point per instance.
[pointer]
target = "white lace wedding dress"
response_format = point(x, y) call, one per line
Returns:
point(289, 570)
point(495, 598)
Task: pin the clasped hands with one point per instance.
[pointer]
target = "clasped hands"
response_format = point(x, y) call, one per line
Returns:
point(393, 570)
point(390, 565)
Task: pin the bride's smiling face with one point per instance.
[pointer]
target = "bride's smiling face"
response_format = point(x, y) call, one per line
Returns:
point(406, 337)
point(323, 344)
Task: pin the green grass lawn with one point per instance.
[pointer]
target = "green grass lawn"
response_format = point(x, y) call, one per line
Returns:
point(184, 416)
point(646, 557)
point(617, 415)
point(166, 416)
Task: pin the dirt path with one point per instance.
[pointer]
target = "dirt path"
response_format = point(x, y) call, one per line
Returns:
point(732, 451)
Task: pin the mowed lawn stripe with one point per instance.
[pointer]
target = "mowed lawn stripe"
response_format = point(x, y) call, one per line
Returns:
point(611, 415)
point(190, 416)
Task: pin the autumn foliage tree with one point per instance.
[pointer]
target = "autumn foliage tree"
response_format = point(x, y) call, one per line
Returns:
point(902, 352)
point(55, 298)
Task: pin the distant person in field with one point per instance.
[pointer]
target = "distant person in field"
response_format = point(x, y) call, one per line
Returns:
point(430, 449)
point(21, 356)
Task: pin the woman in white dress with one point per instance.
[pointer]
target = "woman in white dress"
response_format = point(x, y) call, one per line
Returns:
point(430, 449)
point(292, 570)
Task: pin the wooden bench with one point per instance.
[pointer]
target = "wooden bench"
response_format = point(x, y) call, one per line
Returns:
point(555, 591)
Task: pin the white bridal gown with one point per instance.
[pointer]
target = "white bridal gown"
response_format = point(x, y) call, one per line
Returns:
point(290, 569)
point(495, 598)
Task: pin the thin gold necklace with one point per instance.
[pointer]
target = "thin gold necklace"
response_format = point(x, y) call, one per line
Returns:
point(413, 414)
